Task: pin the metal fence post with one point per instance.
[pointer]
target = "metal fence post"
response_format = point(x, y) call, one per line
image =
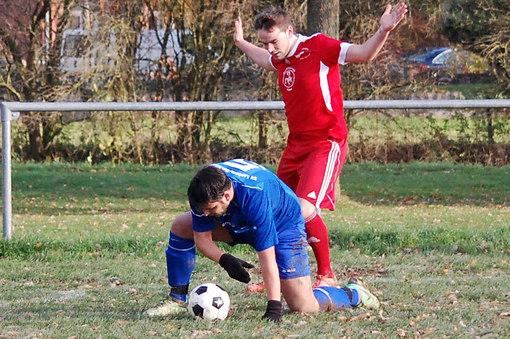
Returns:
point(6, 171)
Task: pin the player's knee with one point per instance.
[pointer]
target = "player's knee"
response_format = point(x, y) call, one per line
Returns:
point(182, 226)
point(307, 208)
point(308, 306)
point(299, 295)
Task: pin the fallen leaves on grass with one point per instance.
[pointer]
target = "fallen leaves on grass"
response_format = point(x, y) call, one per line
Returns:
point(115, 281)
point(361, 317)
point(401, 333)
point(204, 333)
point(132, 291)
point(453, 299)
point(346, 272)
point(382, 318)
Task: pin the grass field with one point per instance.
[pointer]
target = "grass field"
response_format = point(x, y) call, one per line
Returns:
point(87, 255)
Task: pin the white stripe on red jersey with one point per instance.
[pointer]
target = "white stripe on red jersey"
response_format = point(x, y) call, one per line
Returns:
point(309, 79)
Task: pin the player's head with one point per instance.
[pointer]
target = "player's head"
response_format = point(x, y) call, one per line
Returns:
point(210, 191)
point(275, 31)
point(272, 17)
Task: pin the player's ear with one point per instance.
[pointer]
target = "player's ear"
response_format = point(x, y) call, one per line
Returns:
point(290, 31)
point(229, 194)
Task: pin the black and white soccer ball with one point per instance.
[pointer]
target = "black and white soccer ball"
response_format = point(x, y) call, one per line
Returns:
point(209, 301)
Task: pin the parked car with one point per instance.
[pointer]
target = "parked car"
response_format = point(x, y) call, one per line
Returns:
point(442, 64)
point(438, 57)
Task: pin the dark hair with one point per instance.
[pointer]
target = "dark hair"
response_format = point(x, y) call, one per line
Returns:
point(271, 17)
point(207, 185)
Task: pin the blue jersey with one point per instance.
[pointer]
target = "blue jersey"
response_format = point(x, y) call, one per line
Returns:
point(263, 210)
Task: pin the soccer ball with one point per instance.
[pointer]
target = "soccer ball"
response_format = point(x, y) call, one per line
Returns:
point(209, 301)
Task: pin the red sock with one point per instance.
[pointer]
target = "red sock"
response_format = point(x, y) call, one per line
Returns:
point(318, 238)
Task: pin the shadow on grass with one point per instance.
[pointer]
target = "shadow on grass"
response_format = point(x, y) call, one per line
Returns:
point(442, 240)
point(369, 241)
point(425, 183)
point(53, 189)
point(48, 311)
point(81, 189)
point(31, 247)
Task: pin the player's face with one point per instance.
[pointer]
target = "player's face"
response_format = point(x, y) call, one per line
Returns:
point(216, 208)
point(276, 41)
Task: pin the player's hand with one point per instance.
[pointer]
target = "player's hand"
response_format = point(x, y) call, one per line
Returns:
point(235, 267)
point(273, 311)
point(238, 31)
point(390, 19)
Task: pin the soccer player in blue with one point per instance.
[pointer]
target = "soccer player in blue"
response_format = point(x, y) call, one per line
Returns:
point(239, 201)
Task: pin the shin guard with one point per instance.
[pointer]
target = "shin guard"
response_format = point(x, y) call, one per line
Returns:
point(180, 263)
point(334, 298)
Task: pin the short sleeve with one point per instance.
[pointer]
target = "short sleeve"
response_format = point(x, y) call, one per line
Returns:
point(329, 49)
point(201, 223)
point(344, 47)
point(271, 62)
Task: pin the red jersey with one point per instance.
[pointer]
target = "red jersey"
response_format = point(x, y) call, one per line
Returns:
point(309, 79)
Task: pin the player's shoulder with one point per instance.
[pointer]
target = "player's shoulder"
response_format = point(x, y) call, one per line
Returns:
point(314, 38)
point(245, 172)
point(241, 167)
point(306, 40)
point(321, 38)
point(317, 41)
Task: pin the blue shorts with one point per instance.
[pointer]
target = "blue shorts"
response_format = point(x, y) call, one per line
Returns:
point(291, 253)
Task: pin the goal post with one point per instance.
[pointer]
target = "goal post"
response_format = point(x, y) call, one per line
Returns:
point(11, 111)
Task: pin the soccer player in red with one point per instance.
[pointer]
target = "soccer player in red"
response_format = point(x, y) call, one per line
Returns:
point(309, 80)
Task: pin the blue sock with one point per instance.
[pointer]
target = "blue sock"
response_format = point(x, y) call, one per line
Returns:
point(334, 298)
point(180, 263)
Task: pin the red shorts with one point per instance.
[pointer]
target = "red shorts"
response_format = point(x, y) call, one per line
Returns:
point(312, 170)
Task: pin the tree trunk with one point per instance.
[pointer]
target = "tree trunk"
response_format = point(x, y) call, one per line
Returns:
point(322, 16)
point(262, 117)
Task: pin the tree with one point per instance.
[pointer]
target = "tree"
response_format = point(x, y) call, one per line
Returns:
point(495, 47)
point(203, 31)
point(195, 49)
point(375, 79)
point(30, 48)
point(482, 26)
point(323, 16)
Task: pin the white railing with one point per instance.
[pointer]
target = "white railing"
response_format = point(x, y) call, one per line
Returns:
point(11, 111)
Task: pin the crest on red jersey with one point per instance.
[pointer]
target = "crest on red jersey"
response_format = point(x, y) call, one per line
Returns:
point(303, 54)
point(289, 77)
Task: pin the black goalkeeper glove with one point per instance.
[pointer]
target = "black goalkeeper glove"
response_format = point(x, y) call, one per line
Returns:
point(273, 311)
point(235, 267)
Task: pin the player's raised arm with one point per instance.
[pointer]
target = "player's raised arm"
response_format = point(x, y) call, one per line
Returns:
point(258, 55)
point(369, 50)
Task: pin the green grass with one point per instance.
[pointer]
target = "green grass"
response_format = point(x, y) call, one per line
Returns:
point(404, 130)
point(480, 90)
point(87, 254)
